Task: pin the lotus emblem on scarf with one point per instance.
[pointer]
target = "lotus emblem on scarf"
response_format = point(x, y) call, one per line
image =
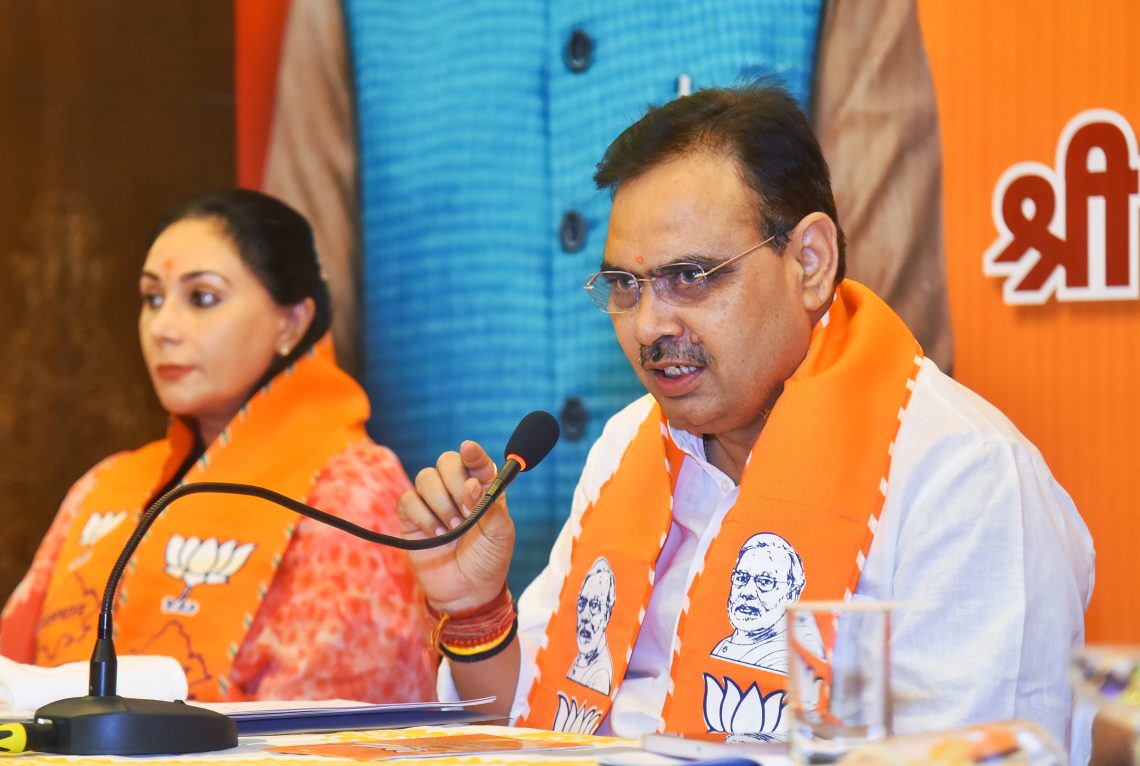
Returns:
point(200, 562)
point(743, 714)
point(572, 718)
point(98, 526)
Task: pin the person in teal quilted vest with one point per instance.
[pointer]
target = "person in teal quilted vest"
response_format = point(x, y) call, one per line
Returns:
point(445, 153)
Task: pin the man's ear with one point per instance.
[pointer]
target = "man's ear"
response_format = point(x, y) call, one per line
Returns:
point(815, 247)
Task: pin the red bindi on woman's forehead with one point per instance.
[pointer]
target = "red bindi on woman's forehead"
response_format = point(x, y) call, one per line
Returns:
point(640, 260)
point(168, 265)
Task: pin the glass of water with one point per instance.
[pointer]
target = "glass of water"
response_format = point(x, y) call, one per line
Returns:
point(839, 677)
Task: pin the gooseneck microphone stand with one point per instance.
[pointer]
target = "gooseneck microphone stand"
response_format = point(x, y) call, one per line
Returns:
point(103, 723)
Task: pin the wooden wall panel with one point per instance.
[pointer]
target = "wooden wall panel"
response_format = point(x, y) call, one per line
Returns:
point(113, 111)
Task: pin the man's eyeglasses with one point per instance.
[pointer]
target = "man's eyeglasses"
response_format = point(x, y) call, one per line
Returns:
point(595, 605)
point(765, 583)
point(678, 284)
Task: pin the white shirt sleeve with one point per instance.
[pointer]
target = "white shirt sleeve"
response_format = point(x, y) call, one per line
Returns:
point(993, 558)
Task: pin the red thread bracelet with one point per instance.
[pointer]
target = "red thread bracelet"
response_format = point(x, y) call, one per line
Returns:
point(474, 627)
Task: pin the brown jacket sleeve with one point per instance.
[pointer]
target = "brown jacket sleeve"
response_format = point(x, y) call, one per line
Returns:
point(311, 157)
point(875, 113)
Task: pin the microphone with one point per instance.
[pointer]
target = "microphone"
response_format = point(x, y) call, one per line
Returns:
point(103, 723)
point(534, 437)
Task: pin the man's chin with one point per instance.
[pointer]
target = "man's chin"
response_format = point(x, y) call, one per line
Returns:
point(758, 631)
point(681, 414)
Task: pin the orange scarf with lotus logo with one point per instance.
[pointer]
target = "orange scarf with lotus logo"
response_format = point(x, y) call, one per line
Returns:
point(806, 512)
point(197, 579)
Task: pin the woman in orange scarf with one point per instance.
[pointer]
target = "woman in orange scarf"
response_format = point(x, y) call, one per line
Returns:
point(253, 601)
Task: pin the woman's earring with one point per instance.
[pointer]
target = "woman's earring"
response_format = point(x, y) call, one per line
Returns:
point(285, 350)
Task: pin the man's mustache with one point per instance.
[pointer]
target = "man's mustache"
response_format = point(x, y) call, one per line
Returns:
point(674, 350)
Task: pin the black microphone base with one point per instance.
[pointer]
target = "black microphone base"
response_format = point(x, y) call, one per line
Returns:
point(124, 726)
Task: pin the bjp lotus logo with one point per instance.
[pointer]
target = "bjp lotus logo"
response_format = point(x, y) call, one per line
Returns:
point(743, 714)
point(200, 562)
point(574, 718)
point(98, 526)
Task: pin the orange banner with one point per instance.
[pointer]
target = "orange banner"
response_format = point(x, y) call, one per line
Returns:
point(1039, 112)
point(258, 27)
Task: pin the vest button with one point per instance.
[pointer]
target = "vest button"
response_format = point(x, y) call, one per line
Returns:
point(572, 232)
point(574, 418)
point(579, 51)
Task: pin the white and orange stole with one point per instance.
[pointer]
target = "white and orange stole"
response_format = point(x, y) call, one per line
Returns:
point(194, 585)
point(815, 480)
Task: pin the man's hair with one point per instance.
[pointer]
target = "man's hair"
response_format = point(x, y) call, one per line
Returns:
point(602, 567)
point(797, 579)
point(761, 127)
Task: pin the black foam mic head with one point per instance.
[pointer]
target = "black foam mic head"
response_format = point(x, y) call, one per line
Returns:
point(534, 437)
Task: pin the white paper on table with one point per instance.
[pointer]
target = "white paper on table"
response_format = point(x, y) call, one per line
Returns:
point(146, 676)
point(300, 708)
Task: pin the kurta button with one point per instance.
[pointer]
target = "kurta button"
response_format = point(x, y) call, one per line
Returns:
point(579, 51)
point(574, 418)
point(572, 231)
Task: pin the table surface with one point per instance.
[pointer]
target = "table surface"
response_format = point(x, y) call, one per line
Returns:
point(255, 749)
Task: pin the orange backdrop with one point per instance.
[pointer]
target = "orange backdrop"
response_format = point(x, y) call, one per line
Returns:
point(1009, 77)
point(258, 25)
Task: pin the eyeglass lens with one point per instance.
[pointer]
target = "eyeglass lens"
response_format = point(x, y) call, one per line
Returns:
point(678, 284)
point(764, 582)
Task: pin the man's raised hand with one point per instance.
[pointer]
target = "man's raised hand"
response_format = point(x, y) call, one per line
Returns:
point(472, 570)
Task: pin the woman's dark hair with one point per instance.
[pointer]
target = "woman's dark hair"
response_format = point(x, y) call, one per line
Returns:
point(761, 127)
point(276, 243)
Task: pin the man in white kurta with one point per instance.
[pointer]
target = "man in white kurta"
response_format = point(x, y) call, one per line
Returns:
point(976, 535)
point(783, 399)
